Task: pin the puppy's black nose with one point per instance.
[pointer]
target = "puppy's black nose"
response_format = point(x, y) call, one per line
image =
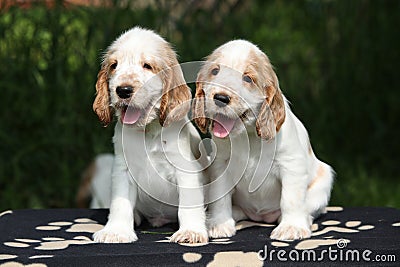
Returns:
point(124, 91)
point(221, 100)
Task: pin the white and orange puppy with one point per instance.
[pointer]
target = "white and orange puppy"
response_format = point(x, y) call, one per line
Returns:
point(264, 168)
point(141, 81)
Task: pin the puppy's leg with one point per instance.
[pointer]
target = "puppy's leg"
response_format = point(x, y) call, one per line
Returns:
point(220, 222)
point(238, 214)
point(191, 213)
point(119, 228)
point(319, 189)
point(295, 220)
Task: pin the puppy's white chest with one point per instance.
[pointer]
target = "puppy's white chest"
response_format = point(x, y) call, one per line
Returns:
point(258, 190)
point(154, 171)
point(259, 182)
point(148, 165)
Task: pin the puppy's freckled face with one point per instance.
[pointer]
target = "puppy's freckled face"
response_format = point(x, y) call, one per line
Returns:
point(235, 81)
point(138, 77)
point(134, 83)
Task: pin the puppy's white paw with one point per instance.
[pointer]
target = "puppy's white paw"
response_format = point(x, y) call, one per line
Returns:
point(189, 236)
point(286, 231)
point(115, 235)
point(224, 229)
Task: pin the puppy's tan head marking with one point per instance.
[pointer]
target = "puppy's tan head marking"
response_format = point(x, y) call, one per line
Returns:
point(198, 107)
point(140, 70)
point(256, 92)
point(101, 104)
point(175, 101)
point(272, 113)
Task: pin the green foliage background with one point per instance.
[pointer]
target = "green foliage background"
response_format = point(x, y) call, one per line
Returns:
point(336, 60)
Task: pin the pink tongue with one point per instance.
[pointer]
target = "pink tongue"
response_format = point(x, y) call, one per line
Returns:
point(131, 115)
point(222, 126)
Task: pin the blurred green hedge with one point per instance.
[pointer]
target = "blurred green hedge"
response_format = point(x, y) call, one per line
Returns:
point(336, 61)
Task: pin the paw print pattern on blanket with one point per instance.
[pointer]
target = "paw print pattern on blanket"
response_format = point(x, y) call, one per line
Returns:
point(49, 243)
point(329, 227)
point(322, 235)
point(59, 235)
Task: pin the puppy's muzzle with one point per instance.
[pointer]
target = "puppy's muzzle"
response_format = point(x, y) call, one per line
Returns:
point(221, 100)
point(124, 92)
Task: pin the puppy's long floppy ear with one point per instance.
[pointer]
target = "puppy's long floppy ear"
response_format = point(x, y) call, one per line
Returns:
point(272, 112)
point(101, 104)
point(198, 108)
point(175, 101)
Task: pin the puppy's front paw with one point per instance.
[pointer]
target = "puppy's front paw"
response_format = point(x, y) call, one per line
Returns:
point(285, 231)
point(189, 236)
point(225, 229)
point(115, 235)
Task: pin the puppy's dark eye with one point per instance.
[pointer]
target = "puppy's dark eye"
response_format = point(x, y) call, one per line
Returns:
point(114, 66)
point(214, 71)
point(247, 79)
point(147, 66)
